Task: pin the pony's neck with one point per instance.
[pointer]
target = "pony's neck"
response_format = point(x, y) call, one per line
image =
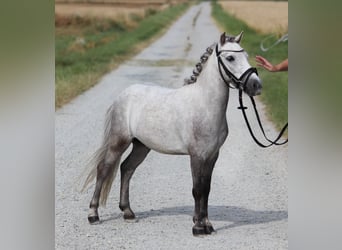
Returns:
point(211, 83)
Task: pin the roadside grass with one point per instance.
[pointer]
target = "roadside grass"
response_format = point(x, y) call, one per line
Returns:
point(88, 47)
point(275, 85)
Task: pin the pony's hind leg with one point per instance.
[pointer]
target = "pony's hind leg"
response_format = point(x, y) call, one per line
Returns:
point(102, 172)
point(106, 171)
point(138, 154)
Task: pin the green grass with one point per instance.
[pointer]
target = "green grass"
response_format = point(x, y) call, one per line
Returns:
point(88, 48)
point(275, 85)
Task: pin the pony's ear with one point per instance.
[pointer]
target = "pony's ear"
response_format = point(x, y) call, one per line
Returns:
point(238, 38)
point(223, 38)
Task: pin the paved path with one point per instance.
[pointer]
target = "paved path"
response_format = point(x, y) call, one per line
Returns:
point(248, 199)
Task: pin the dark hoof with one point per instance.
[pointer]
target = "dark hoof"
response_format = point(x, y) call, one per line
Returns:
point(209, 229)
point(94, 219)
point(198, 231)
point(127, 213)
point(129, 216)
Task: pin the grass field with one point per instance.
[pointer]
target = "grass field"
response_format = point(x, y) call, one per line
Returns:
point(88, 44)
point(275, 85)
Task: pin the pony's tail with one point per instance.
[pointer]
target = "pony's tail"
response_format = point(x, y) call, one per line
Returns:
point(99, 158)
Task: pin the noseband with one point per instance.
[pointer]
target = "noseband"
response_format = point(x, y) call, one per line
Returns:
point(239, 82)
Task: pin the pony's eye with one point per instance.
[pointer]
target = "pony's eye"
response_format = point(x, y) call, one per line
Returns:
point(230, 58)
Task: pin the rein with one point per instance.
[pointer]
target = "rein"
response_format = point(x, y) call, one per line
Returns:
point(275, 142)
point(240, 84)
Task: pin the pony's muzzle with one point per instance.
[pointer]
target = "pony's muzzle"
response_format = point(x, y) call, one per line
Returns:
point(253, 86)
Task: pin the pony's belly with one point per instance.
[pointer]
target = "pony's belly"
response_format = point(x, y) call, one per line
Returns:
point(164, 145)
point(170, 151)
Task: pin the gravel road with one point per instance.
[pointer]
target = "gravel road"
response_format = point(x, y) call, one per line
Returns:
point(248, 199)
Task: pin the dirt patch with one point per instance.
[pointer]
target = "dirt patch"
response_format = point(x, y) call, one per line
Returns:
point(264, 16)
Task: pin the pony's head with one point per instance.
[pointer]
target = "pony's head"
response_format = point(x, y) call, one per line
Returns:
point(234, 67)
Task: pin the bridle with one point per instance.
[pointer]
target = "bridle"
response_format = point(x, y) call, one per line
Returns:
point(240, 83)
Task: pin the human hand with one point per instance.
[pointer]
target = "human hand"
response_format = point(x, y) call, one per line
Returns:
point(262, 62)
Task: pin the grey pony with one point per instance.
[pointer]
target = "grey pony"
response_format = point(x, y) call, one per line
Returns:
point(190, 120)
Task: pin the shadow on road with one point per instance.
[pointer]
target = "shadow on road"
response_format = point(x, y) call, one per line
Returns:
point(238, 216)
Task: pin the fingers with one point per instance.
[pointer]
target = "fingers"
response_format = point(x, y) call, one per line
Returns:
point(259, 58)
point(262, 62)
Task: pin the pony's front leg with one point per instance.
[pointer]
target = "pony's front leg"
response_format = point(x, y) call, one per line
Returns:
point(201, 174)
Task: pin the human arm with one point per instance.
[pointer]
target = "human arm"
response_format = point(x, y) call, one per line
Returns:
point(262, 62)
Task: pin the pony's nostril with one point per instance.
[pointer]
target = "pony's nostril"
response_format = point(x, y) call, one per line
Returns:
point(256, 85)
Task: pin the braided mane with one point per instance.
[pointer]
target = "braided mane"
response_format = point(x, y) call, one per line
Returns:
point(199, 66)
